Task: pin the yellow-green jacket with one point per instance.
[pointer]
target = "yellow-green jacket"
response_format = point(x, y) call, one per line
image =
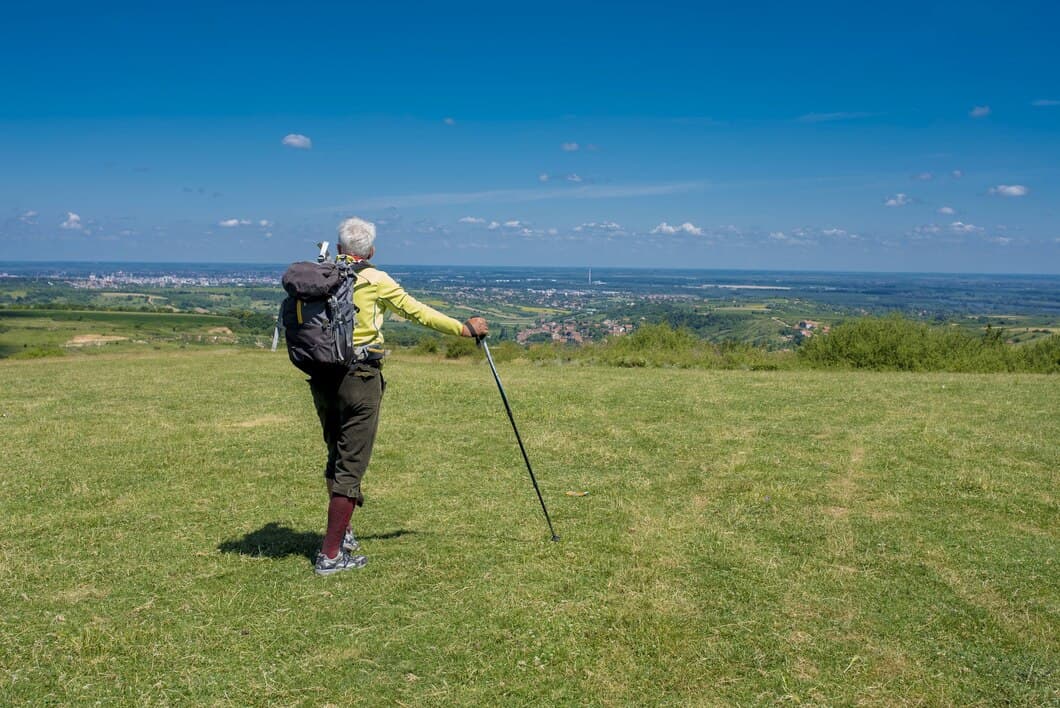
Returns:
point(376, 292)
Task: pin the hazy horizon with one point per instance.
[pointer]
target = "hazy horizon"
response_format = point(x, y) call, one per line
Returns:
point(586, 267)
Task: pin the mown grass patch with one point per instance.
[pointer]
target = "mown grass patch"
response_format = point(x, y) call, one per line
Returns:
point(748, 537)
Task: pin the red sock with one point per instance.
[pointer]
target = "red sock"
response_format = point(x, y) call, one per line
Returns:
point(339, 512)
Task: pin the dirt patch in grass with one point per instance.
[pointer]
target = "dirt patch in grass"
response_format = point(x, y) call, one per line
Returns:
point(93, 340)
point(257, 422)
point(219, 330)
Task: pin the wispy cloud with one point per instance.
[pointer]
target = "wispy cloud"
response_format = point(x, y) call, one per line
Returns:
point(959, 227)
point(232, 223)
point(28, 217)
point(543, 177)
point(979, 112)
point(509, 196)
point(72, 222)
point(1010, 190)
point(448, 121)
point(610, 227)
point(297, 141)
point(687, 227)
point(471, 220)
point(829, 117)
point(924, 176)
point(898, 200)
point(569, 147)
point(956, 174)
point(798, 237)
point(948, 211)
point(574, 178)
point(1043, 102)
point(839, 233)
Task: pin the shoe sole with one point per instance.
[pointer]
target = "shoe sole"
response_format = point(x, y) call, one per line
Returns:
point(338, 569)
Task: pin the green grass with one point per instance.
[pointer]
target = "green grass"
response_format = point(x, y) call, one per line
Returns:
point(29, 333)
point(748, 537)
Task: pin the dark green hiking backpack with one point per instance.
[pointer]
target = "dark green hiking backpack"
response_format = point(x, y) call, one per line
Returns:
point(318, 316)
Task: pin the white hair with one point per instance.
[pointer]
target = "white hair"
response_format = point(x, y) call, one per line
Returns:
point(356, 237)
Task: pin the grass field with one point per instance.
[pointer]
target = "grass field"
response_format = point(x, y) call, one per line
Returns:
point(31, 333)
point(747, 537)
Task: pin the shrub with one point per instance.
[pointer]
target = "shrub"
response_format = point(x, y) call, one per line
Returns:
point(897, 344)
point(39, 352)
point(506, 351)
point(1042, 356)
point(457, 347)
point(427, 345)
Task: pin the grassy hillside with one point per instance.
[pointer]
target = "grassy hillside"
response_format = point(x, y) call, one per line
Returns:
point(747, 537)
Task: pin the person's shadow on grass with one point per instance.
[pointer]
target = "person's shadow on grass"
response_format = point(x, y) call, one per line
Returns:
point(274, 540)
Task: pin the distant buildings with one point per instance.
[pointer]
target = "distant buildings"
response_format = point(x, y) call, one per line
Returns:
point(573, 332)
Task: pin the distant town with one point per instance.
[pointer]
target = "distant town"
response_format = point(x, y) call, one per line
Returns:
point(565, 305)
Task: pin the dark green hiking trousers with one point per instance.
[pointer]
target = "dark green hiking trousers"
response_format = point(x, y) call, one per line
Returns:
point(348, 408)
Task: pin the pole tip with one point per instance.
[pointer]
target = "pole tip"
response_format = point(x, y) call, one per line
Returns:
point(555, 538)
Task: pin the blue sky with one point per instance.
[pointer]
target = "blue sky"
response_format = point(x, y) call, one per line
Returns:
point(905, 137)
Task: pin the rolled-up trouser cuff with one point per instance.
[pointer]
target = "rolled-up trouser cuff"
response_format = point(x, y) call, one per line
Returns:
point(350, 489)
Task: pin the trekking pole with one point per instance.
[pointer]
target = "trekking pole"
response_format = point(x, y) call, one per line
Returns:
point(522, 449)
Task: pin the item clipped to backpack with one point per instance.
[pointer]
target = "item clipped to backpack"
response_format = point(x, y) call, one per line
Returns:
point(318, 316)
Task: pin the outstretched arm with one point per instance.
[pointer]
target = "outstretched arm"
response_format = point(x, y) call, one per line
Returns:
point(395, 298)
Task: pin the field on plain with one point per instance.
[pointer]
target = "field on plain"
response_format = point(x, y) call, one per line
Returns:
point(747, 537)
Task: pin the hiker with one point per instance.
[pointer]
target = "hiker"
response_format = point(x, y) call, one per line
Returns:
point(348, 402)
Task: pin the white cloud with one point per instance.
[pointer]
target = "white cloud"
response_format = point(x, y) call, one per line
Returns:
point(73, 222)
point(1000, 240)
point(898, 200)
point(543, 177)
point(513, 224)
point(265, 223)
point(959, 227)
point(231, 223)
point(448, 121)
point(552, 232)
point(573, 178)
point(925, 176)
point(1043, 102)
point(471, 220)
point(687, 227)
point(28, 217)
point(297, 141)
point(569, 147)
point(610, 226)
point(1010, 190)
point(834, 232)
point(949, 211)
point(979, 112)
point(957, 174)
point(493, 226)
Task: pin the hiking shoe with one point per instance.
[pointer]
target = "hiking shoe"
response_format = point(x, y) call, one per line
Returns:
point(343, 561)
point(350, 542)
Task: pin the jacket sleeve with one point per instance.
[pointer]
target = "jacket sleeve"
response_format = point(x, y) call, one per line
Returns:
point(394, 297)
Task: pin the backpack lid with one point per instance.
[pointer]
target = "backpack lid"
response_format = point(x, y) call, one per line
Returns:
point(311, 281)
